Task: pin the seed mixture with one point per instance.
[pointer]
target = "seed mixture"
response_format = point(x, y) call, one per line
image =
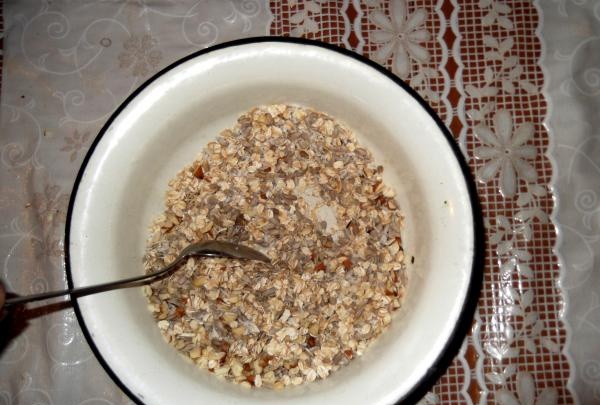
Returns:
point(294, 184)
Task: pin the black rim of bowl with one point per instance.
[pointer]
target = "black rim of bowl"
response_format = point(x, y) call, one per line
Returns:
point(466, 316)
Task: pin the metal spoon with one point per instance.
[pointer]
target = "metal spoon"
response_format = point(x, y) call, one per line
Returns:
point(211, 248)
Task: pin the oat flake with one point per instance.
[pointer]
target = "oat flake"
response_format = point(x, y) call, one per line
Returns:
point(293, 183)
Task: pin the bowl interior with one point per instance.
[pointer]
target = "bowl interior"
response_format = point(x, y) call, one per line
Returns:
point(164, 128)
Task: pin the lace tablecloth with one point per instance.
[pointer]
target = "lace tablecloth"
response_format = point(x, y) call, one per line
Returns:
point(516, 83)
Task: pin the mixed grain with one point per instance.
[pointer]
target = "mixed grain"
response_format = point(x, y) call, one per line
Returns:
point(293, 183)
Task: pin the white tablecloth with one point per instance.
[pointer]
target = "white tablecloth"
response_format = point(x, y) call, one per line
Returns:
point(571, 32)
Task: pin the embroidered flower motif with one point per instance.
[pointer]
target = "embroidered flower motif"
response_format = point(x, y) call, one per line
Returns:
point(506, 152)
point(400, 37)
point(509, 71)
point(301, 19)
point(50, 206)
point(526, 393)
point(496, 14)
point(75, 143)
point(139, 55)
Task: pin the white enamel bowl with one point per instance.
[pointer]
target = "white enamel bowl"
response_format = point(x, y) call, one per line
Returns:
point(167, 122)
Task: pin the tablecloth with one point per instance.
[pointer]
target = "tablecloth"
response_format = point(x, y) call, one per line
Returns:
point(516, 82)
point(572, 62)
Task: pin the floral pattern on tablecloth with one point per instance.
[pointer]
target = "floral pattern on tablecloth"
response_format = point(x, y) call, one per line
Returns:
point(572, 59)
point(68, 66)
point(518, 330)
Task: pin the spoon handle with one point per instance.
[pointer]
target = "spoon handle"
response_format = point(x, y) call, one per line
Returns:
point(211, 248)
point(82, 291)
